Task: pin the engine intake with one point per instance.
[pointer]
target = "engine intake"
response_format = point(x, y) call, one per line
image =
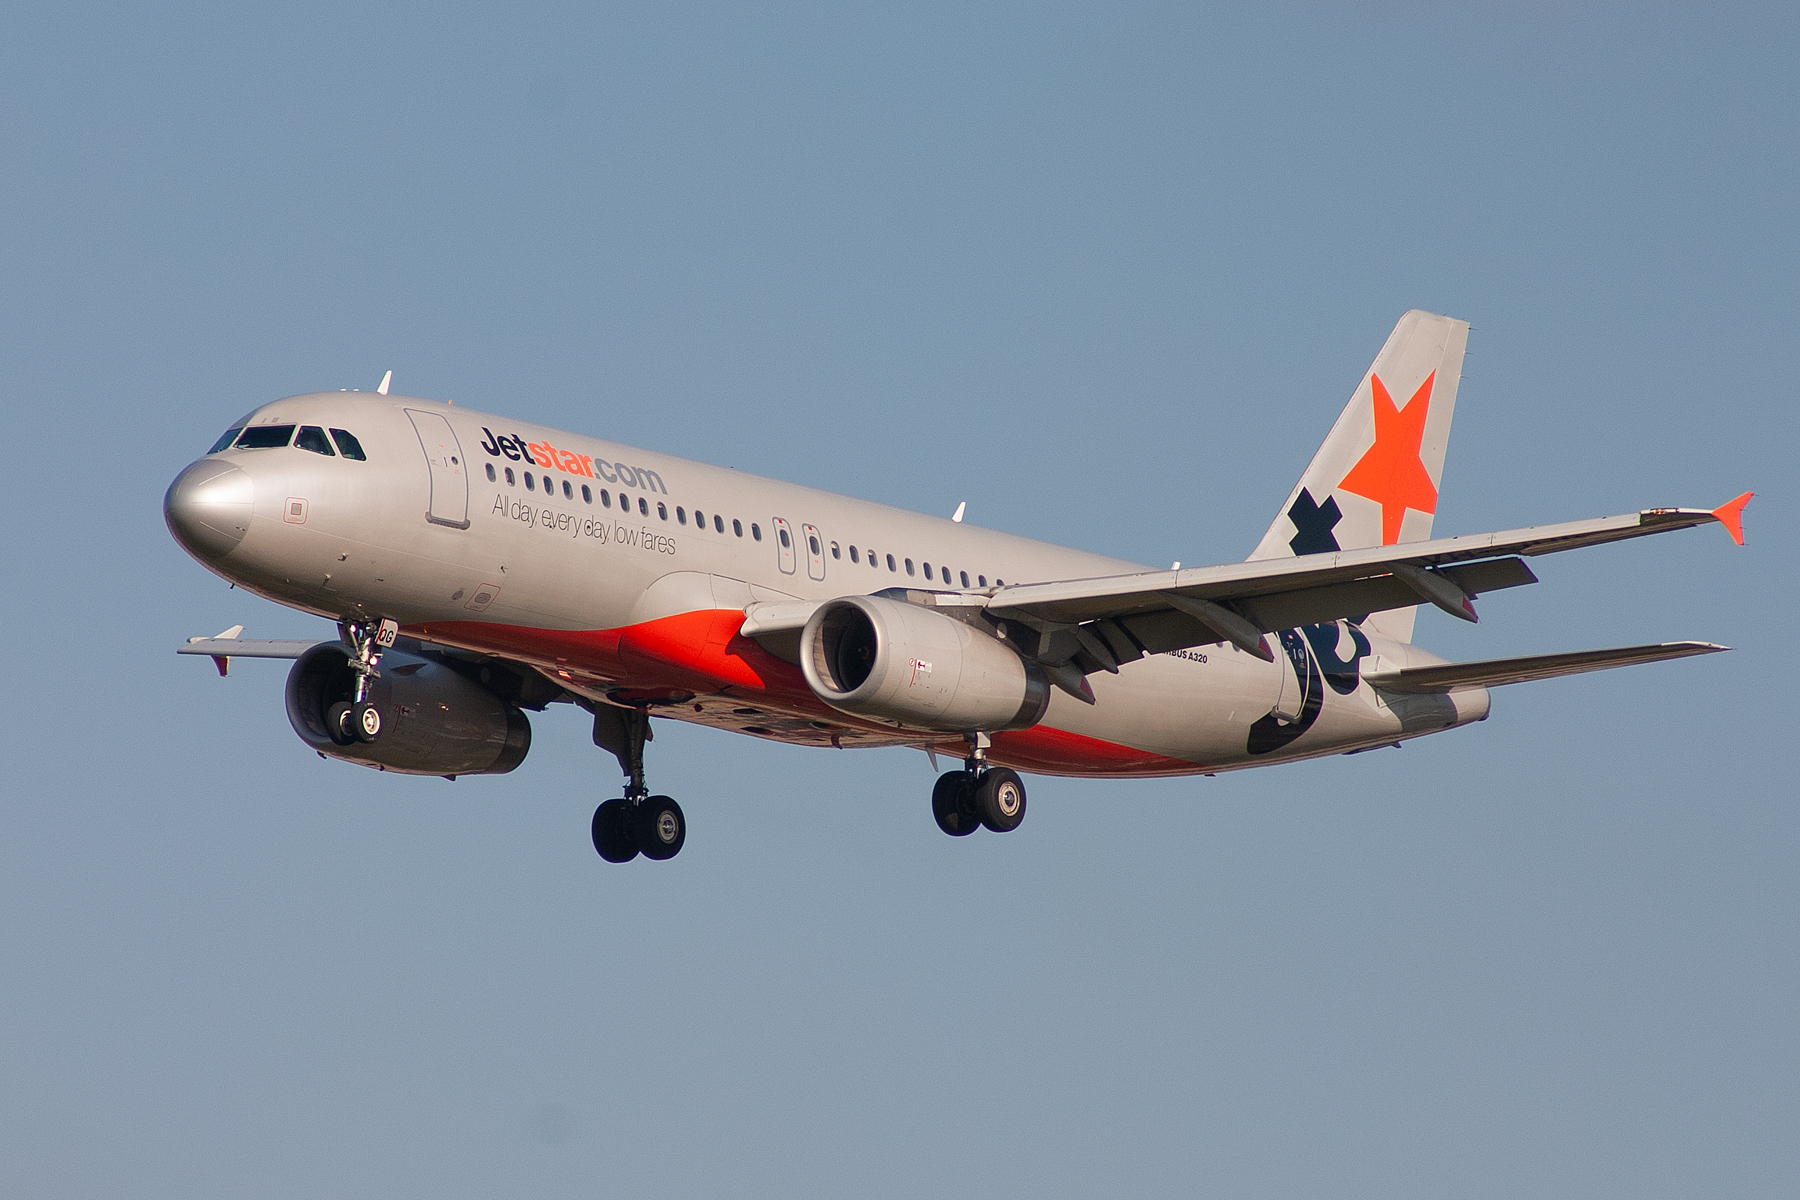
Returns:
point(893, 661)
point(435, 721)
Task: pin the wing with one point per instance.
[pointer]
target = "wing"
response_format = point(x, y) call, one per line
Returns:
point(248, 647)
point(1106, 621)
point(228, 645)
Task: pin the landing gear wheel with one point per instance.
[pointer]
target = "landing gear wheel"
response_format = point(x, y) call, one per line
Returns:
point(1000, 799)
point(337, 724)
point(660, 829)
point(953, 804)
point(612, 831)
point(365, 722)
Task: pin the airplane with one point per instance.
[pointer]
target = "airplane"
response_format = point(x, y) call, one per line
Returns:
point(480, 567)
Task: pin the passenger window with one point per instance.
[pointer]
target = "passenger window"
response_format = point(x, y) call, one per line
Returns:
point(587, 493)
point(981, 581)
point(699, 518)
point(662, 510)
point(680, 515)
point(528, 484)
point(605, 497)
point(756, 531)
point(348, 446)
point(226, 438)
point(718, 523)
point(490, 469)
point(568, 492)
point(737, 527)
point(313, 438)
point(909, 569)
point(853, 557)
point(965, 578)
point(265, 437)
point(509, 478)
point(812, 544)
point(891, 565)
point(999, 582)
point(834, 551)
point(644, 507)
point(927, 570)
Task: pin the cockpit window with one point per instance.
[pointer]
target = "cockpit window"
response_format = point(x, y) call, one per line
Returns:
point(226, 438)
point(348, 446)
point(265, 437)
point(313, 438)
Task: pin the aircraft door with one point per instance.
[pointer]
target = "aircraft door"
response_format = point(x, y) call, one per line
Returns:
point(784, 542)
point(815, 551)
point(449, 481)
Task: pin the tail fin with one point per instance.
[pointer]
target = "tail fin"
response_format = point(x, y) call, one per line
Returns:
point(1375, 480)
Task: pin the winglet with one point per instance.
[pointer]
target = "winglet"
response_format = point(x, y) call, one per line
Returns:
point(1731, 516)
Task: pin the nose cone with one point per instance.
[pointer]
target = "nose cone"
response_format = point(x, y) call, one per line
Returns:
point(208, 508)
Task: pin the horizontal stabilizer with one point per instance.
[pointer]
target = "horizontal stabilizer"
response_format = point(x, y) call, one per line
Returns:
point(1453, 677)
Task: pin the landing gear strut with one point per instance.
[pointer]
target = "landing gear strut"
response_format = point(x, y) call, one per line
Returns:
point(637, 823)
point(359, 719)
point(978, 794)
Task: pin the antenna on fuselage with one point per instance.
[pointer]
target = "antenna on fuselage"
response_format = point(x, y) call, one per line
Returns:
point(960, 509)
point(385, 380)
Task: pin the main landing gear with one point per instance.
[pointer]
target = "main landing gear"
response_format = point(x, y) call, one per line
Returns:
point(359, 719)
point(978, 795)
point(637, 823)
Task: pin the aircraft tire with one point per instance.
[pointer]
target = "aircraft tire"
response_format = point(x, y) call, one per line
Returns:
point(1000, 799)
point(337, 724)
point(612, 832)
point(659, 828)
point(953, 804)
point(365, 722)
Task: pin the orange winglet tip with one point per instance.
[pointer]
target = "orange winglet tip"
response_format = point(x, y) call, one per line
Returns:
point(1731, 516)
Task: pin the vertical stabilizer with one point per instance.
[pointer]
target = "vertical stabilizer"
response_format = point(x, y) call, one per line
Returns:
point(1375, 480)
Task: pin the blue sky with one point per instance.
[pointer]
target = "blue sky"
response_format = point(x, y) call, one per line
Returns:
point(1107, 274)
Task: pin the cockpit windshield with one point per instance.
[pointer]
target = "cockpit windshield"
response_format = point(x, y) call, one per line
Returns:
point(313, 438)
point(273, 437)
point(265, 437)
point(348, 445)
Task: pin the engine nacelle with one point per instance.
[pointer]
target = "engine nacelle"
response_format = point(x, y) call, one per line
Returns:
point(434, 721)
point(893, 661)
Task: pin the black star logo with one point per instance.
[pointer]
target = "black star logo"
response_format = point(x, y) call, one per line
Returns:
point(1313, 523)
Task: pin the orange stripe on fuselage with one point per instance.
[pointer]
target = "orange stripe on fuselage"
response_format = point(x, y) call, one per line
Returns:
point(702, 652)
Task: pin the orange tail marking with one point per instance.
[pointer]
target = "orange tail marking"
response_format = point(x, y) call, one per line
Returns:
point(1731, 516)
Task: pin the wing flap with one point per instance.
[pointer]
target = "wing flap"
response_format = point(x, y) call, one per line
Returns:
point(1452, 677)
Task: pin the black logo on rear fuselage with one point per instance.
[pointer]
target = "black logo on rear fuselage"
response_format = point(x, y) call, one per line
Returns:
point(1312, 652)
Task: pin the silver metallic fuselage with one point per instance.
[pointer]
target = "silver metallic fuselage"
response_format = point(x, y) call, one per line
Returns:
point(647, 603)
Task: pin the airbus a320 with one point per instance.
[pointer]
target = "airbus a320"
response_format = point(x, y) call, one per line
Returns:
point(479, 567)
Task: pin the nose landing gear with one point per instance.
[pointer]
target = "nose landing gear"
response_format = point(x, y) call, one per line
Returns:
point(978, 794)
point(637, 823)
point(358, 719)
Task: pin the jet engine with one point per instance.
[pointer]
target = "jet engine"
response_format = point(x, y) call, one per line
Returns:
point(436, 721)
point(885, 659)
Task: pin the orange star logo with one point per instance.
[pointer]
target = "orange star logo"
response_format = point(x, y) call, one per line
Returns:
point(1391, 472)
